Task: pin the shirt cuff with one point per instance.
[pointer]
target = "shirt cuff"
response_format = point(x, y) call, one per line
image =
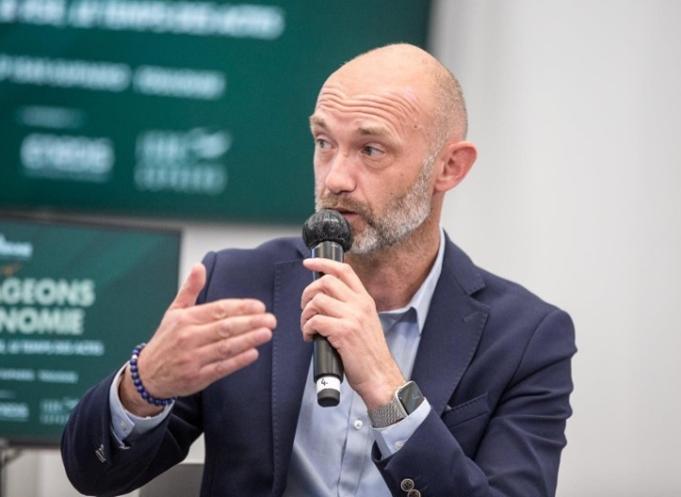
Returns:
point(391, 438)
point(124, 424)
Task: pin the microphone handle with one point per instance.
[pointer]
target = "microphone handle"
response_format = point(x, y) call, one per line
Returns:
point(327, 365)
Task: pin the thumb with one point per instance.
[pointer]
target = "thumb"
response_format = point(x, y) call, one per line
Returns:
point(191, 288)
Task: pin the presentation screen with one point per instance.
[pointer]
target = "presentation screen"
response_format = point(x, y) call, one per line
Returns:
point(74, 301)
point(177, 109)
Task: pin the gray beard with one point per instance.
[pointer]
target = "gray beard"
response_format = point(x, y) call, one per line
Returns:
point(401, 218)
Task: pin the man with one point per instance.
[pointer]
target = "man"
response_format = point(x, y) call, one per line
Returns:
point(491, 360)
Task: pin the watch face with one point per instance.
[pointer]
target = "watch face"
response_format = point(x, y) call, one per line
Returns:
point(410, 396)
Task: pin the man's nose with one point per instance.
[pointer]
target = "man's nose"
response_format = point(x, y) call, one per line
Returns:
point(340, 177)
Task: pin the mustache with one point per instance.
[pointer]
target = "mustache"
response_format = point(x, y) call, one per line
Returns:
point(346, 204)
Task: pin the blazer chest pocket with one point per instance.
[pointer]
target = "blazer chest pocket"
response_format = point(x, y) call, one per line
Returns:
point(465, 411)
point(467, 422)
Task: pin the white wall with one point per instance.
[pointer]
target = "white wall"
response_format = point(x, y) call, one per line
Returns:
point(575, 106)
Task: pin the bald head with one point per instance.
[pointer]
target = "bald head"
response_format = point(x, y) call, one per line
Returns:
point(424, 81)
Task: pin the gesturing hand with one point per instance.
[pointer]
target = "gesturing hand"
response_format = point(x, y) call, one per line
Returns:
point(338, 307)
point(196, 345)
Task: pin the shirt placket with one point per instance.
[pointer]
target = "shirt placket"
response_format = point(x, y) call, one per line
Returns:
point(357, 443)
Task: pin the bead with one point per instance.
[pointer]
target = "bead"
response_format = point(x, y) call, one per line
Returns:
point(137, 381)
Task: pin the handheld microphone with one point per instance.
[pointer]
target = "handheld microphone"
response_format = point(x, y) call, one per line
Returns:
point(328, 235)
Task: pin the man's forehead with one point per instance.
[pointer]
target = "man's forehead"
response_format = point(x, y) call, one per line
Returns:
point(386, 113)
point(356, 81)
point(402, 100)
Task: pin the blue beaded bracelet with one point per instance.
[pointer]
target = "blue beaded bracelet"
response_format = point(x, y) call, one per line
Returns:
point(135, 374)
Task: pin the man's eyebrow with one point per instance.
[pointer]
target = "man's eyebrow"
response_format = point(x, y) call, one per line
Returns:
point(317, 121)
point(364, 129)
point(373, 130)
point(368, 129)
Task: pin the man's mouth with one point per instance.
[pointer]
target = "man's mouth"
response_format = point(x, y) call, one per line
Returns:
point(347, 210)
point(347, 213)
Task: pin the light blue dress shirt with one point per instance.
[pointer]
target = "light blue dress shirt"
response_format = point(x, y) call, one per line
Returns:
point(332, 446)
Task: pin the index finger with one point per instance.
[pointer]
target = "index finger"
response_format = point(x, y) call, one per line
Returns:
point(340, 270)
point(221, 309)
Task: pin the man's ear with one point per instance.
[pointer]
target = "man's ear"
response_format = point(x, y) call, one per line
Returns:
point(455, 161)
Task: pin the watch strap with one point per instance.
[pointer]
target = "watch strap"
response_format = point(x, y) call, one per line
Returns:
point(405, 401)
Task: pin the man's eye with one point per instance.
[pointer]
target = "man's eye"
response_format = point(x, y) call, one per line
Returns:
point(322, 143)
point(371, 151)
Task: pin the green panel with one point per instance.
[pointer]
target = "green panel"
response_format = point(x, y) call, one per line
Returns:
point(180, 109)
point(74, 300)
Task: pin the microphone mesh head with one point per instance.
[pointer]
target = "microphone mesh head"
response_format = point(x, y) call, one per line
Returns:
point(327, 225)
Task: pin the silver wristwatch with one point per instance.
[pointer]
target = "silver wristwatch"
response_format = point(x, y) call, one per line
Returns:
point(405, 401)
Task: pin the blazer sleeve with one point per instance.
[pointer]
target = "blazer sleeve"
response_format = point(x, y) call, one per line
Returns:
point(94, 462)
point(519, 452)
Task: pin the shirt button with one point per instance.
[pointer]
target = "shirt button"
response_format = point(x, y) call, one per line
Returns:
point(358, 423)
point(398, 445)
point(407, 484)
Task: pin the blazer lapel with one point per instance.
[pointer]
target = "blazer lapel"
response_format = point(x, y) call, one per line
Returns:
point(290, 362)
point(452, 329)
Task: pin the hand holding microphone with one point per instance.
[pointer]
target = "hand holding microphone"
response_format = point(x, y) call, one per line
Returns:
point(327, 234)
point(339, 312)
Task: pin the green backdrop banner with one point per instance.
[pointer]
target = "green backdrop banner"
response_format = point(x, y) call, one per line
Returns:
point(74, 300)
point(175, 108)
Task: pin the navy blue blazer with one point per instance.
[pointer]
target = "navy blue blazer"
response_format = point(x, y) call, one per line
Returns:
point(494, 362)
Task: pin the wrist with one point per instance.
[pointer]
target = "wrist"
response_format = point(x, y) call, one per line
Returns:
point(133, 367)
point(130, 397)
point(382, 393)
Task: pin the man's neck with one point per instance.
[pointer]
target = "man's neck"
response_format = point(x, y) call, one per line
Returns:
point(393, 275)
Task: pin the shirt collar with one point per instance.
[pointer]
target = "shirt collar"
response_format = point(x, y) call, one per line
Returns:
point(421, 300)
